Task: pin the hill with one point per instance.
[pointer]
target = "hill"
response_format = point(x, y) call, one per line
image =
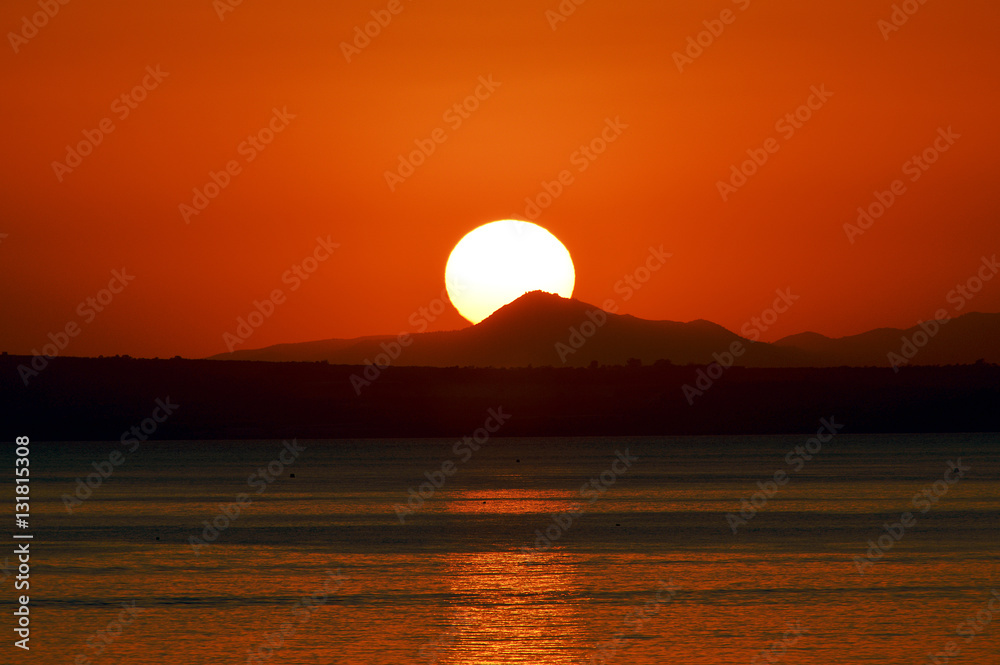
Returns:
point(545, 330)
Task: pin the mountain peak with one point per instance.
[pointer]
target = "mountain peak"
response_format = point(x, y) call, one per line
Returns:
point(802, 339)
point(537, 306)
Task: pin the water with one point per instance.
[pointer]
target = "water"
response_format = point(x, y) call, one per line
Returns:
point(650, 572)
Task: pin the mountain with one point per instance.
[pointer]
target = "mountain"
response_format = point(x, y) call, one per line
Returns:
point(959, 341)
point(541, 329)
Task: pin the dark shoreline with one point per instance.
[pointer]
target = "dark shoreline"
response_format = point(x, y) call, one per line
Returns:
point(99, 398)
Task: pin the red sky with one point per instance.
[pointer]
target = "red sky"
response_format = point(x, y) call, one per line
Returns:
point(324, 174)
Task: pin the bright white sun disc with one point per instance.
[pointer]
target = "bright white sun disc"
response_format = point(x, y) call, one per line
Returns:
point(499, 262)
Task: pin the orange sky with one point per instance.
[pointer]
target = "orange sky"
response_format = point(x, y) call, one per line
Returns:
point(554, 89)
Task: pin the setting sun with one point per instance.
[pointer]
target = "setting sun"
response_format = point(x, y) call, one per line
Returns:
point(498, 262)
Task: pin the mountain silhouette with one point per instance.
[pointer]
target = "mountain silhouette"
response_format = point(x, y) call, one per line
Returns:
point(542, 329)
point(960, 341)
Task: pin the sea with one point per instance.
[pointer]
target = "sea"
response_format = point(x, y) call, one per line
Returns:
point(703, 550)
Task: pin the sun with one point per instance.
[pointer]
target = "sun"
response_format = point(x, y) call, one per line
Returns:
point(499, 262)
